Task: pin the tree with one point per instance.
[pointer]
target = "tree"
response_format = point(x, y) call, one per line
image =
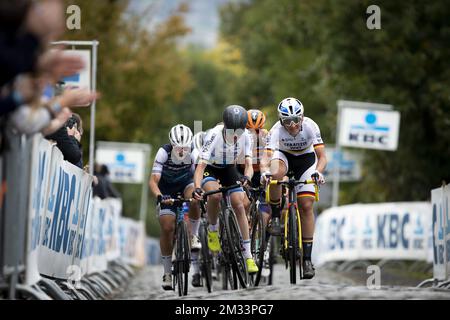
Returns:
point(322, 51)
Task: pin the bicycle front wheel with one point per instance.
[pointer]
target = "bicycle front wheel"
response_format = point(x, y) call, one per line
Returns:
point(292, 243)
point(234, 239)
point(258, 244)
point(183, 259)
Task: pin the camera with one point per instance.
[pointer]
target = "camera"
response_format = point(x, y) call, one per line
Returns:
point(71, 122)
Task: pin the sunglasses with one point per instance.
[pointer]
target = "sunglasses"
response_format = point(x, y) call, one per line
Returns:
point(179, 149)
point(289, 121)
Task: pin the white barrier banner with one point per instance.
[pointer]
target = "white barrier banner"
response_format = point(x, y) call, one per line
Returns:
point(132, 242)
point(69, 233)
point(373, 231)
point(86, 204)
point(61, 218)
point(441, 232)
point(39, 176)
point(99, 262)
point(112, 228)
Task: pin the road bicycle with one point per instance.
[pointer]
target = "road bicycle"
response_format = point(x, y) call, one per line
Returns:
point(231, 260)
point(181, 260)
point(291, 236)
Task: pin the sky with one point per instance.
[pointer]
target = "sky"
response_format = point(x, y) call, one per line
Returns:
point(202, 18)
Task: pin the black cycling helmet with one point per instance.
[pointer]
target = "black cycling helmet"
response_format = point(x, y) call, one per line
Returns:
point(235, 117)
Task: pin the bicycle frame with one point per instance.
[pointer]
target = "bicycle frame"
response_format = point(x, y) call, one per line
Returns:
point(291, 184)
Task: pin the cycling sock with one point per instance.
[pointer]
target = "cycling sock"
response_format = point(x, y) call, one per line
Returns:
point(307, 248)
point(275, 206)
point(167, 263)
point(247, 251)
point(213, 227)
point(195, 225)
point(194, 262)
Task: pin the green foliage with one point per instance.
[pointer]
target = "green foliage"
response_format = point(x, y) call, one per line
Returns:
point(321, 51)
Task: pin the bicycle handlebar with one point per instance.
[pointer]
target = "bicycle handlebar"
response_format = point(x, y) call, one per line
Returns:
point(178, 201)
point(222, 190)
point(289, 182)
point(292, 182)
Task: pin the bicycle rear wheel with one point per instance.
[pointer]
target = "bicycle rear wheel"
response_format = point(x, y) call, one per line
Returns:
point(234, 239)
point(292, 243)
point(205, 257)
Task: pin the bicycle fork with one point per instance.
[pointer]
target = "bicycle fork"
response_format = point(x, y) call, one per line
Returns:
point(299, 227)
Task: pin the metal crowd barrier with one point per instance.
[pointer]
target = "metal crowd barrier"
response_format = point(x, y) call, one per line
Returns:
point(56, 240)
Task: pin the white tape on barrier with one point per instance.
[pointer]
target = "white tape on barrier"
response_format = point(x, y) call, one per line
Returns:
point(373, 231)
point(40, 167)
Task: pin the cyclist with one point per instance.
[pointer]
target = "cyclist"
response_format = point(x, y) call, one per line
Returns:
point(295, 148)
point(218, 159)
point(172, 174)
point(255, 126)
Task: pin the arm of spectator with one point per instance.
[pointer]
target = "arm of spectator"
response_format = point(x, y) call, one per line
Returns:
point(56, 64)
point(57, 123)
point(77, 97)
point(29, 120)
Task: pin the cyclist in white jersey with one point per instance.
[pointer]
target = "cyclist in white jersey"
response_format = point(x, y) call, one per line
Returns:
point(221, 149)
point(295, 148)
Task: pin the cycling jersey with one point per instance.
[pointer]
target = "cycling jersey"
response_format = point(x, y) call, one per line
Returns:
point(176, 175)
point(304, 142)
point(218, 153)
point(297, 152)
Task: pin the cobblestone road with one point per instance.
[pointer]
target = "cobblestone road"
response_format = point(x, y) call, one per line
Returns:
point(326, 285)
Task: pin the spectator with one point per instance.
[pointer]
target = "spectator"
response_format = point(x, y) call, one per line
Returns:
point(75, 129)
point(104, 188)
point(68, 139)
point(112, 192)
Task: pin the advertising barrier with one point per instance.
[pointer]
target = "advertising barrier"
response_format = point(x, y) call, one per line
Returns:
point(66, 227)
point(373, 231)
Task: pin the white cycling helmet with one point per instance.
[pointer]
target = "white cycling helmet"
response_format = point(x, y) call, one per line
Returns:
point(198, 140)
point(290, 107)
point(180, 136)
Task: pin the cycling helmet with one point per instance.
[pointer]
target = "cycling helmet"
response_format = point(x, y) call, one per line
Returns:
point(198, 140)
point(180, 136)
point(235, 117)
point(290, 107)
point(256, 119)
